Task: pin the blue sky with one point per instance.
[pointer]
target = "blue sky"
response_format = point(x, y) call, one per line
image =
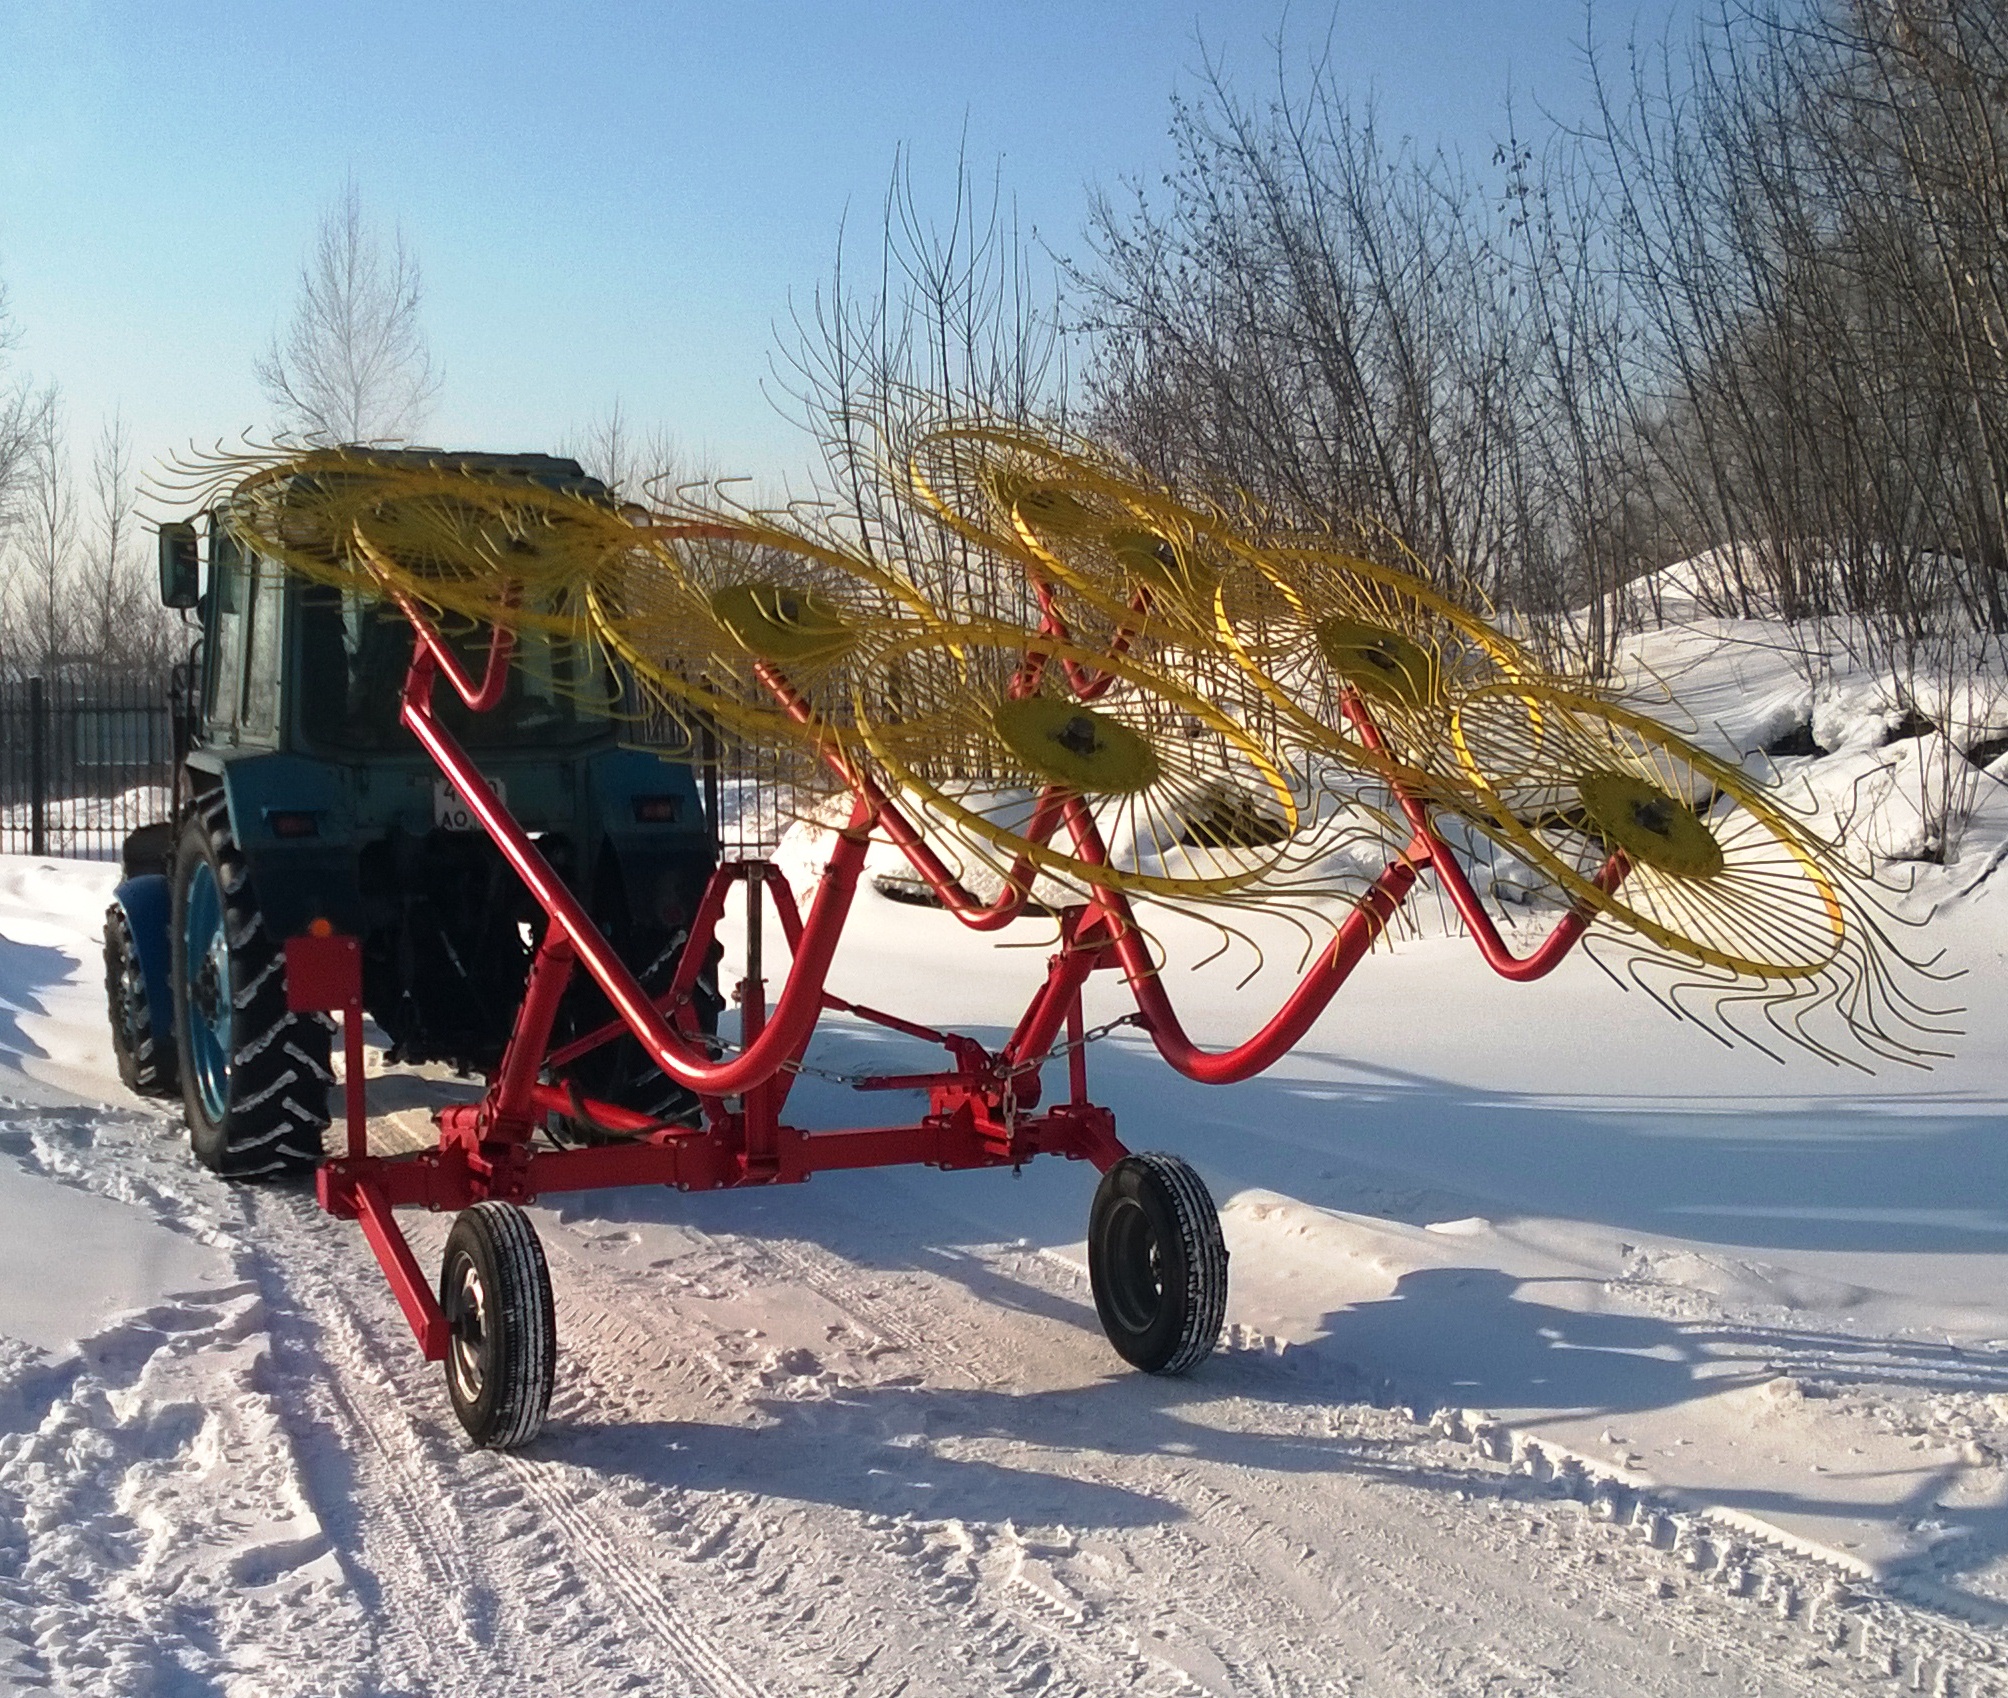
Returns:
point(609, 200)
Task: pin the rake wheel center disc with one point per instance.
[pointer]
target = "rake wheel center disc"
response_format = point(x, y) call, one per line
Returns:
point(1066, 743)
point(1379, 662)
point(1159, 564)
point(1653, 828)
point(1052, 510)
point(779, 622)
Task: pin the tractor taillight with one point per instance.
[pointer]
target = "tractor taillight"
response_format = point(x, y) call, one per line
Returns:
point(658, 810)
point(293, 822)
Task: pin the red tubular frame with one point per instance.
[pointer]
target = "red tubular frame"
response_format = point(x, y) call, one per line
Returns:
point(983, 1109)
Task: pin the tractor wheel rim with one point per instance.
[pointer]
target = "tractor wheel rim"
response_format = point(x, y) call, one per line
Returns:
point(467, 1316)
point(134, 1015)
point(211, 1016)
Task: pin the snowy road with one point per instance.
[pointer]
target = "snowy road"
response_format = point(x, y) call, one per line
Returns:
point(864, 1436)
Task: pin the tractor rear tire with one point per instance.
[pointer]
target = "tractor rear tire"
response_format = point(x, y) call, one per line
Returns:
point(142, 1035)
point(620, 1071)
point(1157, 1263)
point(502, 1332)
point(254, 1075)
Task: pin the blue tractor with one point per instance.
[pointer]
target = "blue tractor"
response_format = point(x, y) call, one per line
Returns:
point(300, 797)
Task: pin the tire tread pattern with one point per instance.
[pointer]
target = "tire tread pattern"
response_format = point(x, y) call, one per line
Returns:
point(1205, 1259)
point(1201, 1308)
point(279, 1066)
point(147, 1062)
point(526, 1363)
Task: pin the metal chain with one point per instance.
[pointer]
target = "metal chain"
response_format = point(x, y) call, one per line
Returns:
point(1067, 1046)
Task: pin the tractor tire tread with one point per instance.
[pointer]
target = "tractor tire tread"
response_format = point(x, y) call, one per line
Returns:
point(279, 1075)
point(147, 1062)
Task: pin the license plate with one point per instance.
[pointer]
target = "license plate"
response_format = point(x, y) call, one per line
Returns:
point(451, 813)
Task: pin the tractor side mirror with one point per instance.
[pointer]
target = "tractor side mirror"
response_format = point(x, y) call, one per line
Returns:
point(180, 565)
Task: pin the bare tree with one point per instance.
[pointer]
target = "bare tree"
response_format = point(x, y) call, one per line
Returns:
point(1312, 318)
point(17, 411)
point(115, 617)
point(630, 462)
point(354, 365)
point(950, 320)
point(47, 539)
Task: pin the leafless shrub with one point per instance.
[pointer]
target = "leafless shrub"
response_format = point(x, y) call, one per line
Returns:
point(40, 609)
point(1352, 335)
point(77, 591)
point(948, 320)
point(17, 408)
point(628, 460)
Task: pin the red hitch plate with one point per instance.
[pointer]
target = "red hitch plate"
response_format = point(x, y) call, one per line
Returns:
point(324, 972)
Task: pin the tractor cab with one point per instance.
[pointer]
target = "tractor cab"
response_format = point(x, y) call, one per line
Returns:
point(301, 797)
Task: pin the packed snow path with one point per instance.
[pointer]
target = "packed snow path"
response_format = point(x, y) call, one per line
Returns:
point(864, 1436)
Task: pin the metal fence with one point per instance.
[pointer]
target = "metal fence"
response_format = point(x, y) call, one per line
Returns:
point(84, 759)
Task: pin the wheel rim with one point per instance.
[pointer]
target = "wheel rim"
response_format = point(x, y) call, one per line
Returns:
point(134, 1015)
point(211, 1016)
point(1136, 1267)
point(467, 1319)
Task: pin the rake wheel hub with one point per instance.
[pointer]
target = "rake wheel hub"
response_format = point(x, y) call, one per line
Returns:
point(1378, 662)
point(781, 623)
point(1052, 510)
point(1160, 564)
point(1653, 828)
point(1066, 743)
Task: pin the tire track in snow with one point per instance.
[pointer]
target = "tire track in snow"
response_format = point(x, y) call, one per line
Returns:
point(1246, 1569)
point(503, 1580)
point(409, 1530)
point(725, 1544)
point(1723, 1631)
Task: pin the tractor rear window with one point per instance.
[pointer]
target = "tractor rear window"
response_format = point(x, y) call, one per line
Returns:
point(353, 659)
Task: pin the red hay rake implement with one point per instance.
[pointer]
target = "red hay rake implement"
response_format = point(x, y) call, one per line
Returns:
point(1157, 1261)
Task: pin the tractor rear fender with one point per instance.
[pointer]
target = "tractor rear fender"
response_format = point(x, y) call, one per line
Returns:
point(300, 822)
point(652, 821)
point(294, 821)
point(145, 901)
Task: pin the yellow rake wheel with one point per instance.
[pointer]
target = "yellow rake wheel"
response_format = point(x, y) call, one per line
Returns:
point(1147, 577)
point(1127, 560)
point(1714, 871)
point(1189, 804)
point(1323, 636)
point(771, 635)
point(482, 543)
point(969, 477)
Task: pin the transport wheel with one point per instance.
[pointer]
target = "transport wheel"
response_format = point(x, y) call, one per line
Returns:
point(143, 1043)
point(1157, 1263)
point(254, 1075)
point(503, 1337)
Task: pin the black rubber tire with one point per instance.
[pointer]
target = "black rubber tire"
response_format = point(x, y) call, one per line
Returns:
point(502, 1345)
point(620, 1071)
point(1157, 1263)
point(275, 1088)
point(142, 1044)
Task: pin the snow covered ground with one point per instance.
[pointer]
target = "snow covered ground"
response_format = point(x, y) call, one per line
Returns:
point(1569, 1352)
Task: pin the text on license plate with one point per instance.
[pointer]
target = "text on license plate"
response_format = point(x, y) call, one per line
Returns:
point(451, 813)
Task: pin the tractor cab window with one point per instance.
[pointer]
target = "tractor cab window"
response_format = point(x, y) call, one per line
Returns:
point(228, 595)
point(354, 655)
point(264, 586)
